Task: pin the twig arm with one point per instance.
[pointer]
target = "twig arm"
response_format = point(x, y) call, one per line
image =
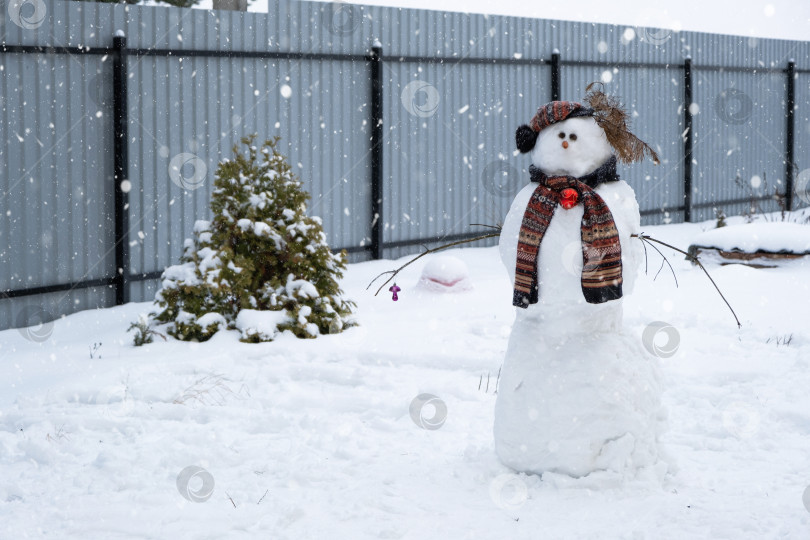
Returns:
point(645, 238)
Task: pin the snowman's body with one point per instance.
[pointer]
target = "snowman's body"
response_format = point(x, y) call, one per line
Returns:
point(576, 393)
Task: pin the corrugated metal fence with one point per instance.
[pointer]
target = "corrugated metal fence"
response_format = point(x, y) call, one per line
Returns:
point(110, 145)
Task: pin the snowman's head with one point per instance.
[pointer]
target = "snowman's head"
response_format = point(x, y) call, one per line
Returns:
point(573, 147)
point(564, 139)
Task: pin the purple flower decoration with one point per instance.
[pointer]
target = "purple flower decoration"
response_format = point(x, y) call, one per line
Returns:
point(394, 289)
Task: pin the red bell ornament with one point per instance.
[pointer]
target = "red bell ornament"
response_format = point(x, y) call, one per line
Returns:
point(569, 197)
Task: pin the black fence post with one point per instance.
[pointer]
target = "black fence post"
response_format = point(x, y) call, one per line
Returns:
point(377, 228)
point(555, 75)
point(687, 139)
point(791, 125)
point(121, 169)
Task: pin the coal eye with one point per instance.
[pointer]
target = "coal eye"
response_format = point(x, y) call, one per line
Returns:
point(562, 135)
point(573, 137)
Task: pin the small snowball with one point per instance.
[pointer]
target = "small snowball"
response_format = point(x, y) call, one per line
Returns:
point(445, 273)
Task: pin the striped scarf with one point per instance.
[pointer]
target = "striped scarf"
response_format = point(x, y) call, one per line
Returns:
point(601, 249)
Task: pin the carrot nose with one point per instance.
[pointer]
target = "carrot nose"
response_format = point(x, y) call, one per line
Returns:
point(565, 144)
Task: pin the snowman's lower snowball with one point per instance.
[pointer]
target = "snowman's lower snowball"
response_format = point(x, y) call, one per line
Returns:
point(577, 393)
point(444, 273)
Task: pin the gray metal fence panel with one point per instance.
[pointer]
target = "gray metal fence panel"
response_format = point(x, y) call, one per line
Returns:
point(739, 139)
point(442, 168)
point(55, 224)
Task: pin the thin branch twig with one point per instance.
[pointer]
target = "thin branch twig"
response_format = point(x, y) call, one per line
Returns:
point(646, 238)
point(645, 256)
point(496, 227)
point(643, 238)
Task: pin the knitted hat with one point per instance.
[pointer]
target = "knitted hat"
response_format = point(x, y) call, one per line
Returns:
point(550, 113)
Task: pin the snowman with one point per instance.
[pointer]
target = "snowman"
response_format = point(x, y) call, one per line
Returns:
point(576, 394)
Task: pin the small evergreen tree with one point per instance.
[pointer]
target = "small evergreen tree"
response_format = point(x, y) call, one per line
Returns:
point(261, 253)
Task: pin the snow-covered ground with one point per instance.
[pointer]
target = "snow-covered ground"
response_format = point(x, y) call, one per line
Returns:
point(315, 439)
